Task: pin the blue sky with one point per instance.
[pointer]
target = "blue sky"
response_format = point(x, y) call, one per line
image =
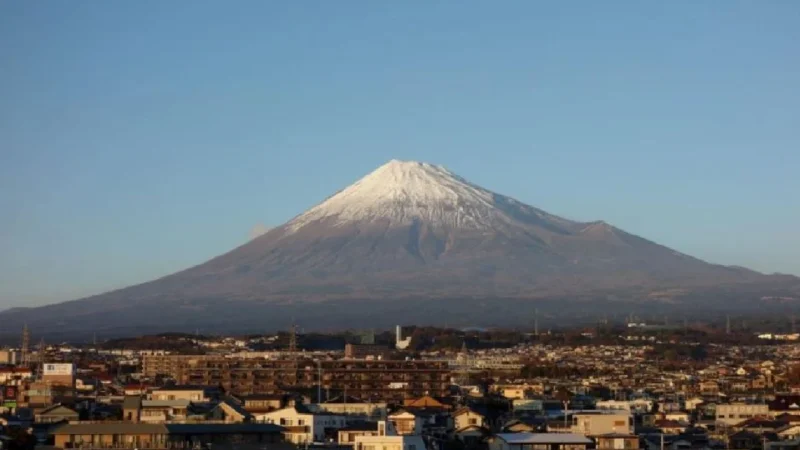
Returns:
point(139, 138)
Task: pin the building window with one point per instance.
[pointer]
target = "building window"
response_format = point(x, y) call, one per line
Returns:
point(473, 421)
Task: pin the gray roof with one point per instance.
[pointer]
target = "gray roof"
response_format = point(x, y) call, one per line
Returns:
point(544, 438)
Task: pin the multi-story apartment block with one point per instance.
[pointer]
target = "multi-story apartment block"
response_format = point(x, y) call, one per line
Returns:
point(371, 380)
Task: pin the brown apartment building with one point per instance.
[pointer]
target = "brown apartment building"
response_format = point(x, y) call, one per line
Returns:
point(367, 379)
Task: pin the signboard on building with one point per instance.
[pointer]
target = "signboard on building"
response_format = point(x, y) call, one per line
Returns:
point(58, 369)
point(10, 393)
point(527, 405)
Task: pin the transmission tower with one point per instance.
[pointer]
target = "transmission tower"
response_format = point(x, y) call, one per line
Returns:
point(26, 345)
point(293, 340)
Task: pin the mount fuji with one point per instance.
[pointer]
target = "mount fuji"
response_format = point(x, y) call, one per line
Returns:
point(412, 240)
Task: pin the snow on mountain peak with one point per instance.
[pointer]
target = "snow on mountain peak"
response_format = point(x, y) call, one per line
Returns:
point(404, 191)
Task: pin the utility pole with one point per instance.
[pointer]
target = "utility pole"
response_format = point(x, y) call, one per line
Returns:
point(319, 381)
point(293, 340)
point(40, 357)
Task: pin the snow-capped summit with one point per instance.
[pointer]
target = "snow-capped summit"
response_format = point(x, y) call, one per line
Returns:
point(401, 192)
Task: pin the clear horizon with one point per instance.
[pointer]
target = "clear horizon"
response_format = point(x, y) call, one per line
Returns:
point(140, 139)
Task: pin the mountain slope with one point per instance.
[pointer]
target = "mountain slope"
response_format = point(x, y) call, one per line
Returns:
point(414, 230)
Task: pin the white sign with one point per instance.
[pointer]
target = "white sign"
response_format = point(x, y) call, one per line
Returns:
point(58, 369)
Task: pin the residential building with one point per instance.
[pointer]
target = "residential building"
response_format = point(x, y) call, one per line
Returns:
point(405, 422)
point(731, 414)
point(301, 425)
point(595, 423)
point(59, 374)
point(361, 351)
point(188, 393)
point(55, 414)
point(388, 439)
point(14, 376)
point(147, 435)
point(349, 434)
point(261, 403)
point(468, 417)
point(371, 380)
point(9, 356)
point(617, 441)
point(539, 441)
point(352, 408)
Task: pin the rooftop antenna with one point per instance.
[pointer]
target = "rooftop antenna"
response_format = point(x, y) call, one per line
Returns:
point(26, 344)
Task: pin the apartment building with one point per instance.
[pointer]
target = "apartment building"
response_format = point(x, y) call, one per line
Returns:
point(371, 380)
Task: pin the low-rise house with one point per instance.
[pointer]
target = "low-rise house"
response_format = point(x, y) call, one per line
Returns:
point(301, 425)
point(678, 416)
point(789, 431)
point(190, 393)
point(55, 414)
point(539, 441)
point(164, 410)
point(617, 441)
point(262, 403)
point(670, 426)
point(472, 436)
point(387, 438)
point(469, 417)
point(353, 408)
point(406, 422)
point(691, 404)
point(230, 411)
point(594, 423)
point(150, 435)
point(14, 376)
point(353, 430)
point(426, 402)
